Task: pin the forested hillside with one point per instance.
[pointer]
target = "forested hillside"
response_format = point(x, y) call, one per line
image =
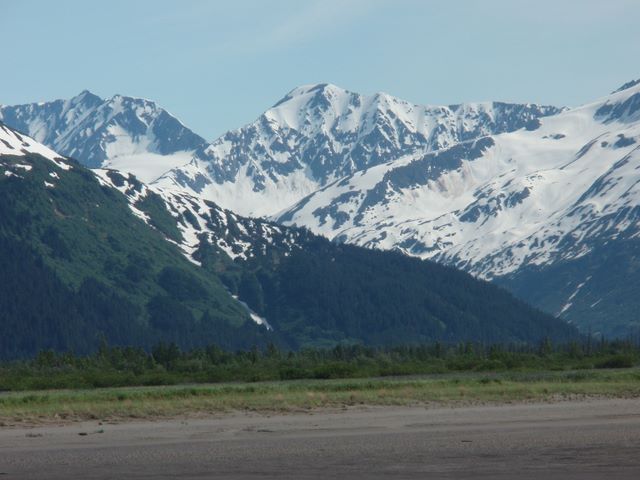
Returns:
point(77, 266)
point(326, 293)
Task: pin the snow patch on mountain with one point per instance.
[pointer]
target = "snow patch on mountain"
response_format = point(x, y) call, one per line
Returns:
point(201, 222)
point(17, 144)
point(128, 185)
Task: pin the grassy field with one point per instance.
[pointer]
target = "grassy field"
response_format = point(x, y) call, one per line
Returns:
point(126, 403)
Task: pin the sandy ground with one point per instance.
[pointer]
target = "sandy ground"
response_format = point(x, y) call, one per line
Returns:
point(592, 439)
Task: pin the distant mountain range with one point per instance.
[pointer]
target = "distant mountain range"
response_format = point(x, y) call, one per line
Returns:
point(314, 135)
point(118, 132)
point(550, 211)
point(94, 255)
point(540, 199)
point(318, 134)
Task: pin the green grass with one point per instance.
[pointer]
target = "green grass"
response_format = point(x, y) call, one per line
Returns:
point(119, 404)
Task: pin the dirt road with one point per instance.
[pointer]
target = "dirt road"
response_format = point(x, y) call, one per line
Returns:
point(586, 440)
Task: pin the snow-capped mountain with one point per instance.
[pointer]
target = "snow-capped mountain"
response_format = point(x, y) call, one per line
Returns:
point(500, 201)
point(91, 254)
point(542, 200)
point(319, 133)
point(502, 205)
point(314, 135)
point(121, 132)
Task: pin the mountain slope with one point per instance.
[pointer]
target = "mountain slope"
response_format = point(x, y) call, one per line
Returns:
point(541, 200)
point(504, 206)
point(87, 255)
point(118, 132)
point(314, 292)
point(76, 265)
point(319, 133)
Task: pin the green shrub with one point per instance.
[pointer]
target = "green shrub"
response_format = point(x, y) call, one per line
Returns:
point(616, 361)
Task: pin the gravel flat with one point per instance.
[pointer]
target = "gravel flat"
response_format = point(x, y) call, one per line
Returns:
point(590, 439)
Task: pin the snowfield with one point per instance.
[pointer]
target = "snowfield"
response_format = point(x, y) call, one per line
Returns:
point(524, 197)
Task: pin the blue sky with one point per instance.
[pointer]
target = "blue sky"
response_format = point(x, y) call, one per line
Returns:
point(218, 64)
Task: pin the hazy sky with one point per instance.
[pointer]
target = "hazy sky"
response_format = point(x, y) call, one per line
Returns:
point(218, 64)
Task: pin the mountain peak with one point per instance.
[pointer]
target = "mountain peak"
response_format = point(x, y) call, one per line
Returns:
point(87, 97)
point(312, 90)
point(119, 99)
point(317, 88)
point(85, 93)
point(98, 132)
